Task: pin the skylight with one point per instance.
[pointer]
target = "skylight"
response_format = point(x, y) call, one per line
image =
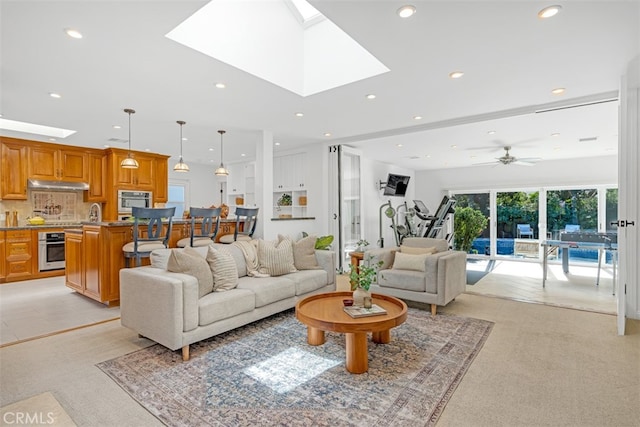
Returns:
point(25, 127)
point(285, 42)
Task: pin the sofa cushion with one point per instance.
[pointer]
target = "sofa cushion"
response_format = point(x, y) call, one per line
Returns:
point(222, 305)
point(276, 258)
point(223, 269)
point(308, 280)
point(193, 264)
point(407, 280)
point(304, 254)
point(268, 289)
point(237, 255)
point(417, 251)
point(405, 261)
point(160, 257)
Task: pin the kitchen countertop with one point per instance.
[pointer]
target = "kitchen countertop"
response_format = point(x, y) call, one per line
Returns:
point(43, 226)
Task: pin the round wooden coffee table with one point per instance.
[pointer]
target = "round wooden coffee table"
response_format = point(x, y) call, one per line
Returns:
point(325, 312)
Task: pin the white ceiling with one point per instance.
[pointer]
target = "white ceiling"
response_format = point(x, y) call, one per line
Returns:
point(511, 60)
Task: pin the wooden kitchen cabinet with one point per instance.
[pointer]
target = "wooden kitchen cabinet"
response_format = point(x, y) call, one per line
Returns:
point(138, 179)
point(73, 260)
point(97, 165)
point(101, 257)
point(13, 169)
point(161, 189)
point(3, 256)
point(50, 162)
point(19, 255)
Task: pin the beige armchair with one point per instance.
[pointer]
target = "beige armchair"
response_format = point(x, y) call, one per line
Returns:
point(427, 271)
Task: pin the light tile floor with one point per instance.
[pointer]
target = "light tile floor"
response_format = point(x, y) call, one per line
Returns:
point(38, 307)
point(522, 281)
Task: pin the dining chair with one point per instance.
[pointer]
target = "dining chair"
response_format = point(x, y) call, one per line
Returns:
point(151, 230)
point(246, 221)
point(205, 223)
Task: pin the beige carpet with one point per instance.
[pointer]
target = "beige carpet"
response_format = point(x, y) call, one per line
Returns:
point(42, 409)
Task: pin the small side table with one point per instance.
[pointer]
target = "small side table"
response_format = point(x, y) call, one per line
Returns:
point(356, 257)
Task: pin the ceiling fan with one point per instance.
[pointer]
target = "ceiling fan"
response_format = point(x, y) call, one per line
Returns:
point(508, 159)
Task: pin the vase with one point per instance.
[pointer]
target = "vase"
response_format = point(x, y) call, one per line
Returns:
point(358, 296)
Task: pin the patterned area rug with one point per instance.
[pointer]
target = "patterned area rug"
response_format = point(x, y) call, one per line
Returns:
point(266, 374)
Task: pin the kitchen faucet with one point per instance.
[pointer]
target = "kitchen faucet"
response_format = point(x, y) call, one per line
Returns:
point(95, 213)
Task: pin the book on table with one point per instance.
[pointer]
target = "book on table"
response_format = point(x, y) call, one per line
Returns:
point(375, 310)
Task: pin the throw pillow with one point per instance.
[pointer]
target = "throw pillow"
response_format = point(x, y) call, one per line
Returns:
point(304, 254)
point(223, 269)
point(404, 261)
point(417, 251)
point(194, 265)
point(276, 258)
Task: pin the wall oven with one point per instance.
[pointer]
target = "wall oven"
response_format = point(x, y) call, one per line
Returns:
point(50, 251)
point(129, 199)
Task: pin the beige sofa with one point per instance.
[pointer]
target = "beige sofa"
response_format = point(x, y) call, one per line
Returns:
point(165, 306)
point(444, 276)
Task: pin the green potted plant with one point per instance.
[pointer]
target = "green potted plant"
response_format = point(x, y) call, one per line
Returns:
point(362, 245)
point(361, 279)
point(285, 200)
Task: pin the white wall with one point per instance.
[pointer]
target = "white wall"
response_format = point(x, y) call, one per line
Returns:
point(372, 198)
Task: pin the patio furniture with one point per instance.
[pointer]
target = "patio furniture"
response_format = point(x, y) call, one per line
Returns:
point(524, 230)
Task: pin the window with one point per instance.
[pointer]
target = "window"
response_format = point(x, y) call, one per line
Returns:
point(178, 197)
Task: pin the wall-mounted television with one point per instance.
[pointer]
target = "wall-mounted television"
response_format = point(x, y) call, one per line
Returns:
point(396, 185)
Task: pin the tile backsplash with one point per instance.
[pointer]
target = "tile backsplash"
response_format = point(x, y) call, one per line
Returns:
point(51, 205)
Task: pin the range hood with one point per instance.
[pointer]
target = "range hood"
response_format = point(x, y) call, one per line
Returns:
point(39, 184)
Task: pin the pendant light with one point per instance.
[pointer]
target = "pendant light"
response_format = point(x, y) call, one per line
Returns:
point(129, 162)
point(181, 166)
point(221, 171)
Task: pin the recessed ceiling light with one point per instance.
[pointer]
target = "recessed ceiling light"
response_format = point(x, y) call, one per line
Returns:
point(299, 114)
point(428, 156)
point(456, 74)
point(555, 134)
point(220, 85)
point(327, 134)
point(210, 149)
point(454, 146)
point(399, 145)
point(406, 11)
point(417, 117)
point(52, 139)
point(147, 149)
point(549, 11)
point(371, 96)
point(242, 155)
point(277, 143)
point(492, 132)
point(558, 91)
point(73, 33)
point(55, 95)
point(117, 126)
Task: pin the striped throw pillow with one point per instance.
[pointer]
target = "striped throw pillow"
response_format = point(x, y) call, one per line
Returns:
point(276, 258)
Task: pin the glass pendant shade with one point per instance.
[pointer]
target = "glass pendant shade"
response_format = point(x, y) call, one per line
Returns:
point(129, 162)
point(221, 171)
point(181, 166)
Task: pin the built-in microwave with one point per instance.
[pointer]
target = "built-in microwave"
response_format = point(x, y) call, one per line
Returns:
point(128, 199)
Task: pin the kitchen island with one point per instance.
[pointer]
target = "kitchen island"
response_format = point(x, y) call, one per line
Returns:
point(94, 255)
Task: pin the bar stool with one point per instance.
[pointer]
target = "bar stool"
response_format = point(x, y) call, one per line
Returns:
point(208, 229)
point(156, 236)
point(247, 218)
